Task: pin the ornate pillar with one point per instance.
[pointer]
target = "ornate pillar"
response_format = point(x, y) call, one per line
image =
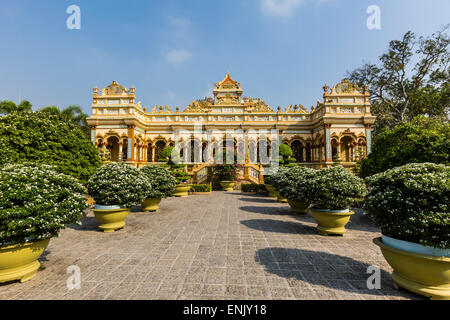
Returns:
point(368, 137)
point(304, 152)
point(328, 153)
point(120, 150)
point(153, 153)
point(131, 156)
point(93, 134)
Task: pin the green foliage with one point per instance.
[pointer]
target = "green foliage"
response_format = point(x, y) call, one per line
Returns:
point(71, 113)
point(422, 140)
point(163, 183)
point(335, 188)
point(166, 154)
point(201, 188)
point(36, 202)
point(117, 183)
point(42, 138)
point(251, 187)
point(294, 183)
point(226, 172)
point(411, 79)
point(411, 203)
point(7, 106)
point(180, 176)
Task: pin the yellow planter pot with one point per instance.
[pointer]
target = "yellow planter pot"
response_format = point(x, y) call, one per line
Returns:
point(111, 219)
point(227, 185)
point(423, 274)
point(331, 222)
point(280, 198)
point(20, 261)
point(271, 190)
point(151, 204)
point(298, 207)
point(181, 190)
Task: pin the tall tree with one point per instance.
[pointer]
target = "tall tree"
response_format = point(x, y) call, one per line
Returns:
point(7, 106)
point(71, 113)
point(412, 78)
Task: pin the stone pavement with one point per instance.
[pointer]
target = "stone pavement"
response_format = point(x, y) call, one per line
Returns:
point(217, 246)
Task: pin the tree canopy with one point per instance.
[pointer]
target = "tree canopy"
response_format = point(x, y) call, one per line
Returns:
point(412, 78)
point(7, 106)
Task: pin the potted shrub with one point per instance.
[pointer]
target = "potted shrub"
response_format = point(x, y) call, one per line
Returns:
point(294, 186)
point(411, 206)
point(116, 188)
point(250, 188)
point(269, 187)
point(276, 181)
point(226, 174)
point(199, 189)
point(181, 188)
point(332, 191)
point(35, 203)
point(163, 185)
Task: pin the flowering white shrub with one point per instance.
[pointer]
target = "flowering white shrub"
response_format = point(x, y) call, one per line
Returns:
point(117, 183)
point(275, 178)
point(36, 202)
point(411, 203)
point(294, 183)
point(335, 188)
point(163, 183)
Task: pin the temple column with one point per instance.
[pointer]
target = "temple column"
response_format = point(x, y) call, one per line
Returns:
point(328, 153)
point(131, 156)
point(93, 134)
point(120, 151)
point(153, 153)
point(368, 137)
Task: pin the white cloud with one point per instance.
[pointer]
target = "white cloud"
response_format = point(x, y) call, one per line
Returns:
point(178, 57)
point(280, 8)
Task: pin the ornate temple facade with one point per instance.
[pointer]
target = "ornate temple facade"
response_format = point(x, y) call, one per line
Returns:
point(338, 126)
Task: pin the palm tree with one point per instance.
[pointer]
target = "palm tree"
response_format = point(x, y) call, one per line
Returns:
point(71, 113)
point(7, 106)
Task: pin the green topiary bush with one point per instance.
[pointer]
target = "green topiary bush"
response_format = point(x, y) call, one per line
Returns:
point(201, 188)
point(250, 187)
point(411, 203)
point(36, 202)
point(335, 188)
point(295, 183)
point(278, 176)
point(180, 176)
point(43, 138)
point(118, 184)
point(163, 183)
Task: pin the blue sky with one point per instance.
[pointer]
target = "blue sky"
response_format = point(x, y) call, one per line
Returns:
point(283, 51)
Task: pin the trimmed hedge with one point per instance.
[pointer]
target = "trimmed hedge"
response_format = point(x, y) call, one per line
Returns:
point(45, 139)
point(201, 188)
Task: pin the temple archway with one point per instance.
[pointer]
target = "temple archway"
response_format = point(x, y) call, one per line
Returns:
point(297, 150)
point(160, 145)
point(113, 146)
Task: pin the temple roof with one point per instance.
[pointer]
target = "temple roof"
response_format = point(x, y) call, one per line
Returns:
point(227, 83)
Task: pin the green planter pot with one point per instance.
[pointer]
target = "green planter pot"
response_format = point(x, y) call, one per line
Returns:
point(280, 197)
point(331, 221)
point(298, 207)
point(151, 204)
point(181, 190)
point(111, 219)
point(271, 190)
point(227, 185)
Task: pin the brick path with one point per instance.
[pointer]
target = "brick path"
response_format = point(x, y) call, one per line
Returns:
point(217, 246)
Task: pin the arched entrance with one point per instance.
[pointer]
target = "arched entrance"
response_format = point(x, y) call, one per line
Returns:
point(113, 146)
point(297, 150)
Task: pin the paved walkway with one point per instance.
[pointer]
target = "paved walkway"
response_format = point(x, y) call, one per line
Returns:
point(218, 246)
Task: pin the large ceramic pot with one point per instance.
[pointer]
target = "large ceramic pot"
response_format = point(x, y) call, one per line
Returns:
point(110, 218)
point(271, 190)
point(20, 261)
point(181, 190)
point(298, 207)
point(331, 221)
point(227, 185)
point(280, 198)
point(150, 204)
point(424, 274)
